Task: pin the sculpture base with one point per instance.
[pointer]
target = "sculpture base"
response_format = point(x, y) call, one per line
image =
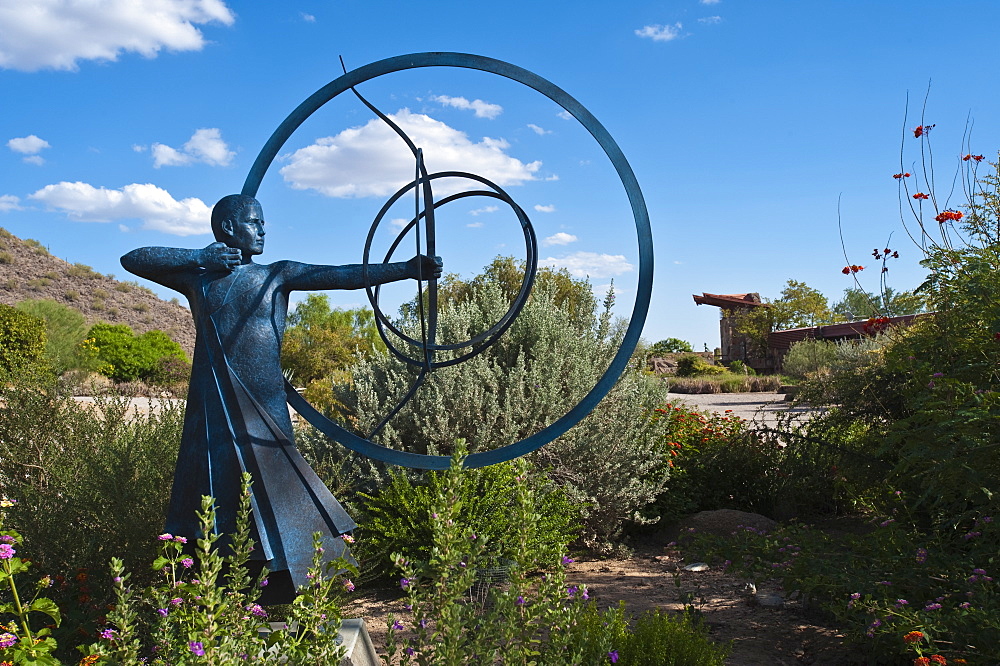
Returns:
point(353, 636)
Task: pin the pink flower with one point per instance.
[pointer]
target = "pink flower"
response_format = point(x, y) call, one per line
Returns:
point(6, 551)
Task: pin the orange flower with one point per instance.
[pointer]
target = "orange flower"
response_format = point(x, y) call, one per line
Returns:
point(920, 195)
point(913, 637)
point(970, 156)
point(922, 661)
point(847, 270)
point(947, 215)
point(897, 176)
point(938, 659)
point(978, 158)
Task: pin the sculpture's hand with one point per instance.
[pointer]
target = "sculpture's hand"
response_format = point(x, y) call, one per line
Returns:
point(424, 267)
point(221, 257)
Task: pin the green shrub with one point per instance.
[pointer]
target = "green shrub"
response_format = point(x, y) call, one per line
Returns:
point(724, 383)
point(396, 517)
point(36, 246)
point(82, 271)
point(37, 284)
point(6, 258)
point(22, 339)
point(65, 329)
point(808, 357)
point(526, 620)
point(693, 366)
point(740, 368)
point(98, 486)
point(123, 356)
point(542, 366)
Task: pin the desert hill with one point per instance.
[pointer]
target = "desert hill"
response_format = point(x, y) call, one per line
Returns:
point(28, 271)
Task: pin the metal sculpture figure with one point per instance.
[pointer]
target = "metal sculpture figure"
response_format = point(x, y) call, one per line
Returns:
point(237, 419)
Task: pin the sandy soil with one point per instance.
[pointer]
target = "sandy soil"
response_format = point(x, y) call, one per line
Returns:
point(760, 634)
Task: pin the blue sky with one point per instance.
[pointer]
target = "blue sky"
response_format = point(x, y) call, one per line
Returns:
point(122, 122)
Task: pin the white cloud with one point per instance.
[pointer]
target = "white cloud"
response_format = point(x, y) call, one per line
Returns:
point(476, 225)
point(660, 33)
point(9, 202)
point(137, 148)
point(710, 19)
point(565, 115)
point(205, 145)
point(55, 34)
point(28, 145)
point(398, 223)
point(154, 206)
point(538, 130)
point(482, 109)
point(545, 209)
point(372, 160)
point(709, 2)
point(561, 238)
point(484, 209)
point(37, 160)
point(308, 18)
point(590, 264)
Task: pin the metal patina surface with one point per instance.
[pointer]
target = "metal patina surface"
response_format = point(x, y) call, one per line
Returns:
point(237, 419)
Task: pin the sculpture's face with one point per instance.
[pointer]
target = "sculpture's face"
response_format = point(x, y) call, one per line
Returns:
point(246, 231)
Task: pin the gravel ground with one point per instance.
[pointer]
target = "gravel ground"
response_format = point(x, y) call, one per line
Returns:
point(762, 408)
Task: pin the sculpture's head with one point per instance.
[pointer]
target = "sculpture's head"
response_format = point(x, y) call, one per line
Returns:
point(238, 221)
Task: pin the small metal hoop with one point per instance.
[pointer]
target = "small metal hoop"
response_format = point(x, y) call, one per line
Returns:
point(483, 340)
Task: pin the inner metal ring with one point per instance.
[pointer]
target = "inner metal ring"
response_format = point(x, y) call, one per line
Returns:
point(482, 340)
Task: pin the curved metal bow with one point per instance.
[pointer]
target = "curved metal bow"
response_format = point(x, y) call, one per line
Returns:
point(428, 325)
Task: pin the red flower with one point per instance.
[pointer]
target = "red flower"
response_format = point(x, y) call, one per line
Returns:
point(920, 130)
point(897, 176)
point(970, 156)
point(895, 255)
point(947, 215)
point(938, 659)
point(920, 195)
point(978, 158)
point(913, 637)
point(847, 271)
point(967, 157)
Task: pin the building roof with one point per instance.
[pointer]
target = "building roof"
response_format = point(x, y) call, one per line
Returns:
point(782, 340)
point(751, 299)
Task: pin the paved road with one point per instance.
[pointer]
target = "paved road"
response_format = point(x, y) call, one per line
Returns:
point(763, 408)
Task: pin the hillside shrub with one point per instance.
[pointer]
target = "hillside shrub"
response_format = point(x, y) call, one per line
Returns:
point(124, 356)
point(543, 365)
point(22, 340)
point(65, 329)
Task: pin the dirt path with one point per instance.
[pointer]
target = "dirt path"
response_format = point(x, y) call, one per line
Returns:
point(761, 634)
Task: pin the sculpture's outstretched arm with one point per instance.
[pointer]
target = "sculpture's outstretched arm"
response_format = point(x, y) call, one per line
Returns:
point(166, 265)
point(309, 277)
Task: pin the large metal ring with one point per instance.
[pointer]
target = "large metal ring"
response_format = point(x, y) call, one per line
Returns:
point(639, 212)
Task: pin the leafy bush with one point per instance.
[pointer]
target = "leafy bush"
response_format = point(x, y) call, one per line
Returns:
point(22, 340)
point(693, 366)
point(91, 481)
point(808, 357)
point(669, 346)
point(65, 329)
point(542, 366)
point(123, 356)
point(526, 620)
point(396, 518)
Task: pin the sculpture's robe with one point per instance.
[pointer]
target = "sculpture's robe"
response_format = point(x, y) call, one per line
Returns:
point(237, 420)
